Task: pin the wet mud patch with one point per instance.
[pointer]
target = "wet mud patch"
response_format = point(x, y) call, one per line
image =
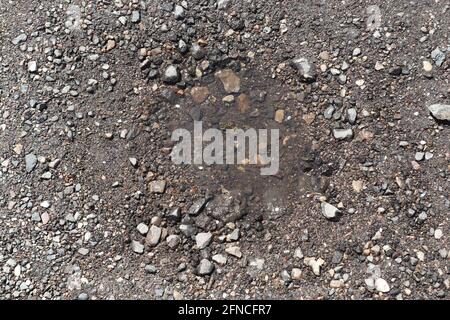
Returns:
point(249, 99)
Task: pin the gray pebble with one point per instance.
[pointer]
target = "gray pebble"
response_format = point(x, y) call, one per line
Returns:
point(32, 66)
point(135, 16)
point(342, 134)
point(205, 267)
point(171, 75)
point(30, 162)
point(440, 111)
point(137, 247)
point(178, 12)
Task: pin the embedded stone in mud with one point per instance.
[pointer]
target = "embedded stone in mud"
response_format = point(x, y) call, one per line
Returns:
point(243, 103)
point(199, 94)
point(230, 81)
point(307, 70)
point(227, 207)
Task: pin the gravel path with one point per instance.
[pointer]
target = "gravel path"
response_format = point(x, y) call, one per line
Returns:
point(92, 207)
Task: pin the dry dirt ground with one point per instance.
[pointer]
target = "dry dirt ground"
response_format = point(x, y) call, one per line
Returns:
point(92, 207)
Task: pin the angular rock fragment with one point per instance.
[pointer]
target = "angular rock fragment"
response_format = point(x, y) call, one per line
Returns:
point(171, 75)
point(306, 69)
point(197, 207)
point(203, 239)
point(234, 251)
point(440, 111)
point(205, 267)
point(329, 211)
point(315, 264)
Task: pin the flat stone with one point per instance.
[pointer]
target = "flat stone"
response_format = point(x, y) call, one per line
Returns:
point(351, 115)
point(45, 204)
point(123, 20)
point(381, 285)
point(227, 207)
point(142, 228)
point(357, 185)
point(324, 55)
point(342, 134)
point(153, 236)
point(30, 162)
point(173, 241)
point(329, 211)
point(197, 207)
point(137, 247)
point(54, 164)
point(296, 274)
point(46, 175)
point(83, 251)
point(342, 78)
point(220, 259)
point(309, 118)
point(158, 186)
point(234, 251)
point(230, 81)
point(203, 239)
point(419, 156)
point(440, 111)
point(279, 116)
point(379, 66)
point(257, 263)
point(18, 148)
point(336, 284)
point(83, 296)
point(20, 38)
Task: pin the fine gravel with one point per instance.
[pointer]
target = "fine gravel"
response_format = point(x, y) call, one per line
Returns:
point(92, 206)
